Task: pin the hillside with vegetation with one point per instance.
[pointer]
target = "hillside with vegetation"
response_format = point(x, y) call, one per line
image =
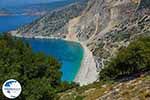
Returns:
point(117, 34)
point(39, 75)
point(135, 89)
point(134, 58)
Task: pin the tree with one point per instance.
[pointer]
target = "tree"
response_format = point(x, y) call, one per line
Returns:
point(39, 75)
point(134, 58)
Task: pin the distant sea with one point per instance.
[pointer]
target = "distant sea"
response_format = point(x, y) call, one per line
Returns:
point(70, 54)
point(16, 19)
point(8, 23)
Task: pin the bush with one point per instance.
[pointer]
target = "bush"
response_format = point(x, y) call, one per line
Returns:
point(134, 58)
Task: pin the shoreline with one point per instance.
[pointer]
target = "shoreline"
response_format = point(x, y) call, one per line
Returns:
point(13, 33)
point(87, 72)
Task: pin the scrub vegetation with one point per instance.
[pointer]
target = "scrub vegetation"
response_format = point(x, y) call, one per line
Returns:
point(39, 75)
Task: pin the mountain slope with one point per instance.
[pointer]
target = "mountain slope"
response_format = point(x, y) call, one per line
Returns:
point(104, 26)
point(54, 22)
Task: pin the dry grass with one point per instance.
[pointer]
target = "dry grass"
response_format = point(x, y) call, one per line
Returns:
point(137, 89)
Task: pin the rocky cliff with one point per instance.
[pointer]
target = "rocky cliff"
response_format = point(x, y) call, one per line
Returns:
point(107, 25)
point(103, 25)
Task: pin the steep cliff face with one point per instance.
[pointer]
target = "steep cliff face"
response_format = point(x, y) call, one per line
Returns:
point(101, 16)
point(107, 25)
point(103, 25)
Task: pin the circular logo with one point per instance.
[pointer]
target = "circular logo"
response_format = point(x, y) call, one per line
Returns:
point(11, 89)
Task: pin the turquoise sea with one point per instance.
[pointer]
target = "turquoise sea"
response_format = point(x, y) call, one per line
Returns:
point(70, 54)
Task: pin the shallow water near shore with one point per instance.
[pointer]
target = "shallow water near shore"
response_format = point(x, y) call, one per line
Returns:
point(70, 54)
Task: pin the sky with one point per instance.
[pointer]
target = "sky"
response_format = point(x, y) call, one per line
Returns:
point(5, 3)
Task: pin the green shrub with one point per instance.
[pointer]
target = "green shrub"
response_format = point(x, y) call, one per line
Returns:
point(134, 58)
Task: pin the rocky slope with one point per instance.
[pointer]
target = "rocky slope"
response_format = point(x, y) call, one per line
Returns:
point(104, 26)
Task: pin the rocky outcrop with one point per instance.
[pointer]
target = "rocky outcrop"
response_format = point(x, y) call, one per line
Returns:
point(107, 25)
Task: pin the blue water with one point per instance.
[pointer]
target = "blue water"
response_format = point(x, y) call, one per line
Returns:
point(70, 54)
point(12, 22)
point(8, 23)
point(36, 7)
